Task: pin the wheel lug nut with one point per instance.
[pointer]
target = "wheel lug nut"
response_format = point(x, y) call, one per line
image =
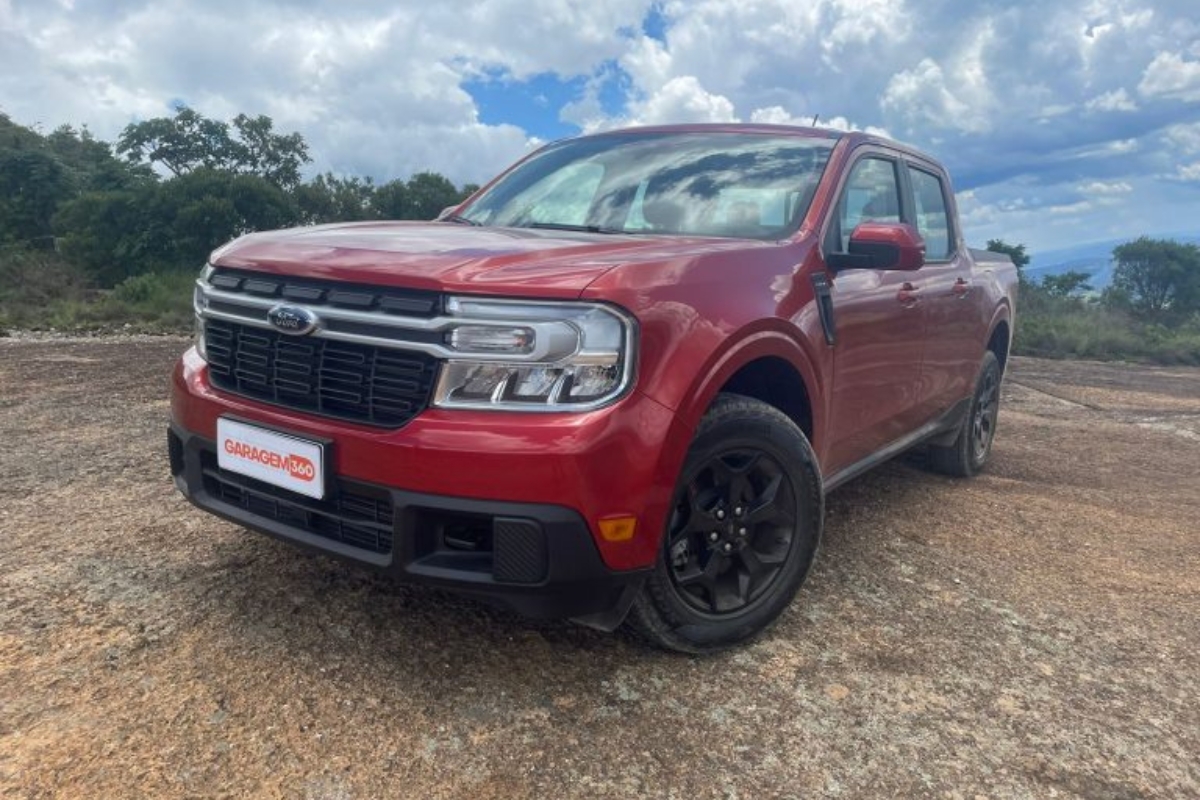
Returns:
point(720, 513)
point(741, 531)
point(712, 537)
point(737, 511)
point(727, 547)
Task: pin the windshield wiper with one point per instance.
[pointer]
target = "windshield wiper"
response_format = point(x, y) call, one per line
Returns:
point(459, 219)
point(563, 226)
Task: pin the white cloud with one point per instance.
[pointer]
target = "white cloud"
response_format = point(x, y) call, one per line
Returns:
point(1186, 137)
point(1188, 172)
point(1172, 76)
point(1029, 102)
point(376, 88)
point(1116, 100)
point(777, 115)
point(1071, 209)
point(682, 99)
point(1106, 189)
point(922, 96)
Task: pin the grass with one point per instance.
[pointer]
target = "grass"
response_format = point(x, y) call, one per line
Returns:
point(1074, 328)
point(41, 291)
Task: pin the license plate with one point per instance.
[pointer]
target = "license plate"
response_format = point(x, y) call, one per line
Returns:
point(288, 462)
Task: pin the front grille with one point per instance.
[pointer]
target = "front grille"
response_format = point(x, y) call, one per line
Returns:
point(353, 515)
point(361, 383)
point(312, 292)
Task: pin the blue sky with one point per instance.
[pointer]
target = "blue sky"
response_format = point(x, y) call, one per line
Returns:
point(1062, 122)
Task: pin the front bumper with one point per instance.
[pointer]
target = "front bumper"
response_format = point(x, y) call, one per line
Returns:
point(502, 506)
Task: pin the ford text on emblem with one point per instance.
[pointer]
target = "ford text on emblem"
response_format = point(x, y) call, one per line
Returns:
point(293, 320)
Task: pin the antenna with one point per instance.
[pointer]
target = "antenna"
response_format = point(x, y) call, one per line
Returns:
point(815, 118)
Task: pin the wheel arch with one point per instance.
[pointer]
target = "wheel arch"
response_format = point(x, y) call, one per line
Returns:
point(1000, 338)
point(768, 366)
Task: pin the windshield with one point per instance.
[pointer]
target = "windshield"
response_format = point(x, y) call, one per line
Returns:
point(750, 186)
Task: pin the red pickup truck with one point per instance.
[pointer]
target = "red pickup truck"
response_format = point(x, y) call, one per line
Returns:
point(614, 385)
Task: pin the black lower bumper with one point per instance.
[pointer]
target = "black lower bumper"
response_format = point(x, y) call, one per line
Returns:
point(538, 560)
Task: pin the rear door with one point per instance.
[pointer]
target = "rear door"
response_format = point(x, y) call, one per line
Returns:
point(953, 342)
point(879, 327)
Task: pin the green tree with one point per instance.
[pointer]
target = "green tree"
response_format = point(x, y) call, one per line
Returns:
point(391, 200)
point(1066, 284)
point(32, 185)
point(91, 162)
point(429, 193)
point(1014, 251)
point(189, 141)
point(328, 198)
point(1157, 277)
point(105, 233)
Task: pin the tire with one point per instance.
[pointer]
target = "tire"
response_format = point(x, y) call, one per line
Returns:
point(744, 527)
point(969, 451)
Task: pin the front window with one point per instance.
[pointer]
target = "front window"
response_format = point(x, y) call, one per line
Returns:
point(699, 184)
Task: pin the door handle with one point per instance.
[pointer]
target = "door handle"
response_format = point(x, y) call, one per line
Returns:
point(909, 295)
point(961, 288)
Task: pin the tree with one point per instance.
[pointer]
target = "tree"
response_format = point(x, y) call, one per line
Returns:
point(189, 141)
point(1016, 252)
point(328, 198)
point(428, 194)
point(91, 162)
point(1066, 284)
point(1158, 277)
point(32, 184)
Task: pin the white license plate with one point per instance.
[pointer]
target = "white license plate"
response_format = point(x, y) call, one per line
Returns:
point(275, 458)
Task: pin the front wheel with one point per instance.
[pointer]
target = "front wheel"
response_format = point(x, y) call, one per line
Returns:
point(968, 453)
point(742, 533)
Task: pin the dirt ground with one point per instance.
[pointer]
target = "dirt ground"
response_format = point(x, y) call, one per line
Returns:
point(1031, 633)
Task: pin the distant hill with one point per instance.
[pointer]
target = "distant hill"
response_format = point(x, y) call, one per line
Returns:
point(1094, 258)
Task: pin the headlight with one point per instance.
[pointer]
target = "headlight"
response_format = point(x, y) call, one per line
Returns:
point(199, 304)
point(565, 356)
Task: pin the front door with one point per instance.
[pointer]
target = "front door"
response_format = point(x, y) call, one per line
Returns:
point(879, 324)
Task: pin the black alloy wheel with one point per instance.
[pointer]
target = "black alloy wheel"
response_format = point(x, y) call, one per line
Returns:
point(731, 531)
point(742, 532)
point(966, 455)
point(985, 410)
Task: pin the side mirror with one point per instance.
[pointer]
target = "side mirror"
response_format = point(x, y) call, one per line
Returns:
point(882, 245)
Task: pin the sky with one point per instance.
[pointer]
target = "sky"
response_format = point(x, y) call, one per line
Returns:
point(1061, 121)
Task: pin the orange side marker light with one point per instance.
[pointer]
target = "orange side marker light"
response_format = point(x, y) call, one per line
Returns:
point(617, 529)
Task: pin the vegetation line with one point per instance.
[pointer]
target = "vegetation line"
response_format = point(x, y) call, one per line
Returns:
point(98, 237)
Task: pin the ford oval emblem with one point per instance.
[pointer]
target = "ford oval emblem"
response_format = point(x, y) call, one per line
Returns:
point(293, 320)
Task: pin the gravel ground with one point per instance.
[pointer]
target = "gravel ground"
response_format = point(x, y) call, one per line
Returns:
point(1031, 633)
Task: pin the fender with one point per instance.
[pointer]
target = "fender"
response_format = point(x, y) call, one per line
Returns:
point(1003, 313)
point(744, 347)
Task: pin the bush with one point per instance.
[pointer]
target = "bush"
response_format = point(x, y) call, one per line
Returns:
point(40, 290)
point(1052, 327)
point(33, 280)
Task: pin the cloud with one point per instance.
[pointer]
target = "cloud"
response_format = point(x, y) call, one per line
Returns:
point(683, 99)
point(1026, 102)
point(923, 96)
point(376, 87)
point(1116, 100)
point(1172, 76)
point(776, 115)
point(1188, 172)
point(1106, 189)
point(1184, 137)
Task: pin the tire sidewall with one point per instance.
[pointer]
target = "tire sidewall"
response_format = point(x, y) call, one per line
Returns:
point(976, 462)
point(726, 429)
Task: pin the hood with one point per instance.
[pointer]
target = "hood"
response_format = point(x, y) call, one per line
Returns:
point(450, 257)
